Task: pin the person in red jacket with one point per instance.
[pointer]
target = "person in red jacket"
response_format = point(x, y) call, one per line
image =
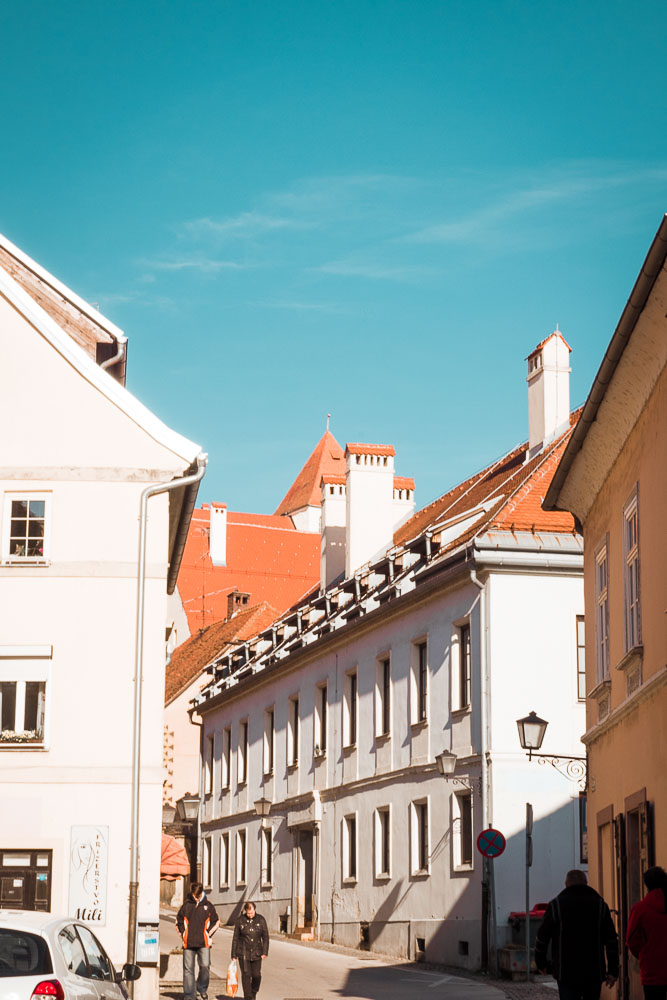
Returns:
point(647, 934)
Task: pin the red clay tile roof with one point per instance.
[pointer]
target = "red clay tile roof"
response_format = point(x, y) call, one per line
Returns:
point(266, 558)
point(519, 486)
point(189, 659)
point(327, 458)
point(355, 448)
point(403, 483)
point(541, 344)
point(81, 328)
point(334, 480)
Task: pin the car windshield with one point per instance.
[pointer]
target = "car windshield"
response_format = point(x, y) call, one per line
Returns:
point(23, 954)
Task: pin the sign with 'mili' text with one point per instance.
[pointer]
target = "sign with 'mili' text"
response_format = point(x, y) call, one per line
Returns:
point(88, 873)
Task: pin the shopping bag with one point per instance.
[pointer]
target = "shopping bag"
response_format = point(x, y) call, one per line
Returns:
point(232, 978)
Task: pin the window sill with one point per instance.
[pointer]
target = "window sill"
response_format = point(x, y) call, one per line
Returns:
point(600, 689)
point(349, 748)
point(265, 886)
point(20, 745)
point(268, 775)
point(457, 713)
point(419, 724)
point(241, 885)
point(225, 790)
point(464, 869)
point(224, 887)
point(350, 880)
point(27, 561)
point(633, 658)
point(383, 876)
point(421, 873)
point(382, 738)
point(241, 784)
point(292, 767)
point(319, 757)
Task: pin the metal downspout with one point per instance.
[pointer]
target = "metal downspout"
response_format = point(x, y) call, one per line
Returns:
point(118, 356)
point(150, 491)
point(483, 696)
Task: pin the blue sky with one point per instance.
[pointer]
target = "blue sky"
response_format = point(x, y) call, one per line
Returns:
point(372, 209)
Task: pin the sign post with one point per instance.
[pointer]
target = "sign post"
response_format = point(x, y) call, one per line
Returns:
point(529, 861)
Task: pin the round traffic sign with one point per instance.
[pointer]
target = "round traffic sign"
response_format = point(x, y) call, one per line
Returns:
point(491, 843)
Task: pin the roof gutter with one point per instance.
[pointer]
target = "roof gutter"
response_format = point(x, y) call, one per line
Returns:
point(651, 268)
point(191, 483)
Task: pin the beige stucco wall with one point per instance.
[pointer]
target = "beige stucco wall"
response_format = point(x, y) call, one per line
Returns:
point(630, 753)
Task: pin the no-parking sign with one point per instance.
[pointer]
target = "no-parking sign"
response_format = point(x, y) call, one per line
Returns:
point(491, 843)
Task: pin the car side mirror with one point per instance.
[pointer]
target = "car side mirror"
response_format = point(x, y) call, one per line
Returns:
point(130, 972)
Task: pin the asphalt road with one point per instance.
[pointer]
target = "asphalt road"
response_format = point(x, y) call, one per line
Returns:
point(297, 972)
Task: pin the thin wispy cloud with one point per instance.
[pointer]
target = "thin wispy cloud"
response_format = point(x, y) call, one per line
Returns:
point(369, 269)
point(204, 264)
point(246, 225)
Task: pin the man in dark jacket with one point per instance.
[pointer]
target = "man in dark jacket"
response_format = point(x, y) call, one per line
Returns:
point(583, 939)
point(250, 945)
point(197, 922)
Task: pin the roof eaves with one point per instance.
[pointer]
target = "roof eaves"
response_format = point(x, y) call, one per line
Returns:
point(651, 268)
point(96, 376)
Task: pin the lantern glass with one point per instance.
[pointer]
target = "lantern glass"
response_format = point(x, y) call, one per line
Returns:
point(263, 806)
point(531, 731)
point(446, 762)
point(188, 808)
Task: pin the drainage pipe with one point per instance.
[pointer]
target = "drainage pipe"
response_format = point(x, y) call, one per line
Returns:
point(150, 491)
point(118, 356)
point(483, 715)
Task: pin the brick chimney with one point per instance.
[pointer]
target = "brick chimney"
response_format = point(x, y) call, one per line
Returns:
point(236, 601)
point(548, 391)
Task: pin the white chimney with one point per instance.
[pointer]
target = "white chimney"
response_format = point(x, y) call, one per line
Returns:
point(404, 499)
point(548, 391)
point(217, 541)
point(332, 529)
point(370, 512)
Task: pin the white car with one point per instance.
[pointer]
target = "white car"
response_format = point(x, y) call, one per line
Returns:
point(43, 957)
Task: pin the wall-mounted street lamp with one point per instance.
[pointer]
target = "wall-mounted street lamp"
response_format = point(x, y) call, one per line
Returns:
point(446, 761)
point(263, 807)
point(531, 735)
point(187, 808)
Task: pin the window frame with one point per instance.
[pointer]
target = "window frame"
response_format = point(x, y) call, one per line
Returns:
point(419, 682)
point(351, 710)
point(223, 860)
point(242, 752)
point(266, 866)
point(226, 759)
point(580, 620)
point(463, 855)
point(207, 862)
point(602, 666)
point(350, 853)
point(383, 842)
point(27, 495)
point(321, 719)
point(420, 838)
point(209, 759)
point(632, 572)
point(269, 743)
point(464, 680)
point(293, 731)
point(383, 697)
point(242, 856)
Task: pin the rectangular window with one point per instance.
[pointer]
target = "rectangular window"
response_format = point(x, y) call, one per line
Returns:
point(321, 720)
point(462, 829)
point(269, 740)
point(383, 697)
point(206, 862)
point(464, 666)
point(383, 842)
point(633, 621)
point(242, 761)
point(581, 658)
point(350, 847)
point(224, 860)
point(267, 856)
point(419, 683)
point(22, 711)
point(25, 528)
point(601, 614)
point(241, 857)
point(293, 732)
point(350, 709)
point(226, 770)
point(208, 765)
point(420, 840)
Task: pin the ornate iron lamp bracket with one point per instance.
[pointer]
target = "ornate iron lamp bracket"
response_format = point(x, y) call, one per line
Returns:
point(573, 768)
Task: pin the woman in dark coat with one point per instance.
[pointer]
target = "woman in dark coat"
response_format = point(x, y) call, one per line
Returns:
point(250, 945)
point(647, 934)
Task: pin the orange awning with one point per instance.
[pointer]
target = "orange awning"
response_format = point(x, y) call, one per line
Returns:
point(174, 860)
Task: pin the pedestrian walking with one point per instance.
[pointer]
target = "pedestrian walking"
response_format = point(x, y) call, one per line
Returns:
point(584, 944)
point(647, 934)
point(250, 945)
point(197, 922)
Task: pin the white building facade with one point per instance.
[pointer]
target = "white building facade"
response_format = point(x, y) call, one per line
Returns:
point(72, 470)
point(322, 800)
